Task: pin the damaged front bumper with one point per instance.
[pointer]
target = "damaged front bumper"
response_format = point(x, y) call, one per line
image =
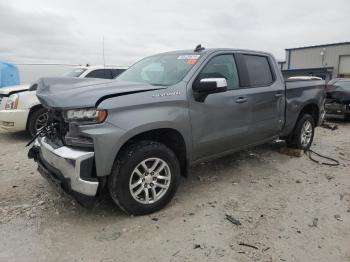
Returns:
point(70, 168)
point(337, 108)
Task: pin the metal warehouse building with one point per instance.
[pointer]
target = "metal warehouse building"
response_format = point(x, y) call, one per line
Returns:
point(327, 61)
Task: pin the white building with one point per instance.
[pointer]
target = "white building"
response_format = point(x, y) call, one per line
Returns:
point(327, 61)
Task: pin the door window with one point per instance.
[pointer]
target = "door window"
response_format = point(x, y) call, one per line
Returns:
point(221, 66)
point(259, 70)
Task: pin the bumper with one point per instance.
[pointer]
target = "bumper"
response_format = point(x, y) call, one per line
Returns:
point(68, 167)
point(14, 120)
point(337, 108)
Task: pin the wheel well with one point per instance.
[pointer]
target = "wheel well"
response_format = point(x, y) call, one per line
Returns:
point(313, 110)
point(31, 111)
point(169, 137)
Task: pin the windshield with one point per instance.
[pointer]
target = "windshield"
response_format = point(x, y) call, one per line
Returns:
point(76, 72)
point(163, 69)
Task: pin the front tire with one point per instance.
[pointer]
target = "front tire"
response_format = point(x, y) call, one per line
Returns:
point(303, 133)
point(37, 120)
point(144, 178)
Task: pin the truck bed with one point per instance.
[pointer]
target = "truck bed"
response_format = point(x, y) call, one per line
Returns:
point(299, 93)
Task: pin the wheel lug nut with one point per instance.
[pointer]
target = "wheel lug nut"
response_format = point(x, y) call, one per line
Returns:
point(151, 184)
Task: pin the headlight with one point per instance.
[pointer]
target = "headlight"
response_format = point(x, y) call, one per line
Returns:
point(12, 102)
point(86, 116)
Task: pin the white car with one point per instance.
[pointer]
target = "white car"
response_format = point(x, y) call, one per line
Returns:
point(21, 110)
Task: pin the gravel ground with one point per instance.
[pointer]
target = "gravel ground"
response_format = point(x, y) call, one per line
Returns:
point(290, 209)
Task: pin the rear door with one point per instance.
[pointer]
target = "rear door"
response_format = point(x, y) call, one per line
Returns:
point(220, 122)
point(266, 94)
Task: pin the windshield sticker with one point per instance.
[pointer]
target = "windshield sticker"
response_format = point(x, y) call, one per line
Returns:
point(188, 57)
point(191, 61)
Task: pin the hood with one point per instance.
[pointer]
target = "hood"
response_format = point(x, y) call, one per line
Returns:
point(13, 89)
point(65, 93)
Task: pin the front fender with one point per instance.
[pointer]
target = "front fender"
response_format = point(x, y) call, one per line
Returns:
point(129, 116)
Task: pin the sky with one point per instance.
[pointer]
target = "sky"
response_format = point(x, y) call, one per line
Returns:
point(62, 31)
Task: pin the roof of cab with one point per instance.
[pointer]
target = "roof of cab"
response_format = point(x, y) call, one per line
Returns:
point(213, 50)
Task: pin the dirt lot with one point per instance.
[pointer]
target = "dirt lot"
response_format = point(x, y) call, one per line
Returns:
point(290, 209)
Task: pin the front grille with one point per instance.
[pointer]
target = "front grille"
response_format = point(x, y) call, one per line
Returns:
point(60, 133)
point(57, 128)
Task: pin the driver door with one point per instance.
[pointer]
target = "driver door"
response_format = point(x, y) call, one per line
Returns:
point(220, 122)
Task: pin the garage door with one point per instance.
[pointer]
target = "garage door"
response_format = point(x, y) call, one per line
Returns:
point(344, 66)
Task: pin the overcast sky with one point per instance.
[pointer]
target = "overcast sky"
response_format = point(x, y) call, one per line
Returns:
point(71, 31)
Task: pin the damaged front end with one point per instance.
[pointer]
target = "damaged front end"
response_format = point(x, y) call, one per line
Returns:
point(72, 168)
point(338, 98)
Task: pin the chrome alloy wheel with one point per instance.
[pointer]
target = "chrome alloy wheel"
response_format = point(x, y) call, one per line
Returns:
point(150, 180)
point(41, 121)
point(306, 133)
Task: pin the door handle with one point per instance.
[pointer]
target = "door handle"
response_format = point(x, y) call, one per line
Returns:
point(241, 100)
point(278, 94)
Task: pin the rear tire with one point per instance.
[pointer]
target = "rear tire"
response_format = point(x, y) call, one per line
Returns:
point(144, 166)
point(303, 133)
point(36, 120)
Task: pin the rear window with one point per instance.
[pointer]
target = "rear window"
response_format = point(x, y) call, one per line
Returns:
point(345, 85)
point(259, 70)
point(100, 73)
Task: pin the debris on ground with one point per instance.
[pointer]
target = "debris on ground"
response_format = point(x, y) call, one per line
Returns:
point(338, 217)
point(265, 249)
point(291, 151)
point(196, 246)
point(329, 176)
point(314, 222)
point(329, 126)
point(177, 252)
point(233, 220)
point(208, 179)
point(247, 245)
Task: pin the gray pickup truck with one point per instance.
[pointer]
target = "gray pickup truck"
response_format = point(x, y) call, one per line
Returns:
point(138, 134)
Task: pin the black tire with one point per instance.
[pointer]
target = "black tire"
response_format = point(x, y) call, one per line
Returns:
point(33, 118)
point(295, 139)
point(347, 116)
point(127, 161)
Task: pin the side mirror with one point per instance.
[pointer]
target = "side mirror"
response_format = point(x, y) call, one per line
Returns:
point(212, 85)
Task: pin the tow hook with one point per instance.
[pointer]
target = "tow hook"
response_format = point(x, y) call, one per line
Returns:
point(33, 153)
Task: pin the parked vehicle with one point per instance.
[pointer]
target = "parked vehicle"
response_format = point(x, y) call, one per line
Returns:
point(21, 110)
point(335, 80)
point(139, 133)
point(338, 98)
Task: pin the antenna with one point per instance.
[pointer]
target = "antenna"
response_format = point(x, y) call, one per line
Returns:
point(199, 48)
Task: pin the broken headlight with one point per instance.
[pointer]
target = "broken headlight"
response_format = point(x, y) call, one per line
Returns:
point(86, 116)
